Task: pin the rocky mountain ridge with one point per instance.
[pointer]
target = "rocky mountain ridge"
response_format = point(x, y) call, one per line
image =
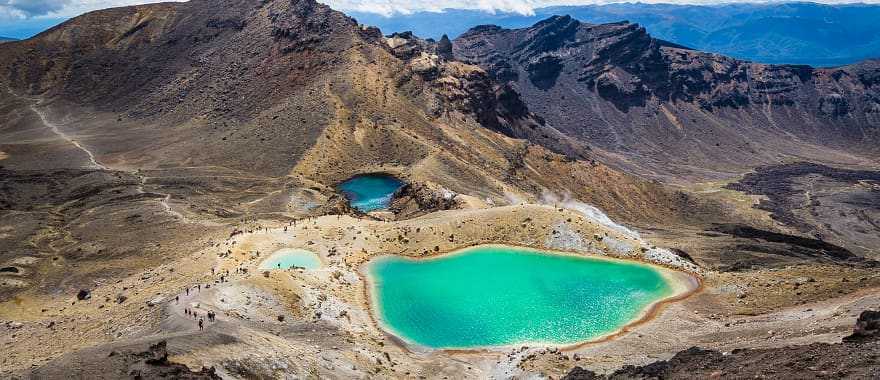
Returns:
point(663, 107)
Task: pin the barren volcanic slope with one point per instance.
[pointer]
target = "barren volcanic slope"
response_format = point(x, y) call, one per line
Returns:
point(152, 156)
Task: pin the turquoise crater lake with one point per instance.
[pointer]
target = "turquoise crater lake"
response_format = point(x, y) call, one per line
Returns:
point(370, 192)
point(491, 296)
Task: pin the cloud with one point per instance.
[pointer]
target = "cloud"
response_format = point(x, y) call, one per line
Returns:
point(31, 8)
point(26, 9)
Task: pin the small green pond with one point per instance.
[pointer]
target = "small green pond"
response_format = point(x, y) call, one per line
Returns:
point(286, 258)
point(498, 295)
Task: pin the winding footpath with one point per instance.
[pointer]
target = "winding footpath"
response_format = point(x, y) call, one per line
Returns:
point(92, 160)
point(56, 129)
point(94, 164)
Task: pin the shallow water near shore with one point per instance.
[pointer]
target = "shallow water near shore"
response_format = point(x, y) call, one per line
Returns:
point(370, 192)
point(491, 296)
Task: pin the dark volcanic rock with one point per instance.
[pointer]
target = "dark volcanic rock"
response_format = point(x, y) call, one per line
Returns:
point(544, 71)
point(851, 359)
point(83, 294)
point(444, 48)
point(797, 244)
point(151, 363)
point(578, 373)
point(867, 327)
point(847, 202)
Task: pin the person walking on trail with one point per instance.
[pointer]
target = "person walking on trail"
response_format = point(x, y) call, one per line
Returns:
point(201, 325)
point(187, 290)
point(176, 299)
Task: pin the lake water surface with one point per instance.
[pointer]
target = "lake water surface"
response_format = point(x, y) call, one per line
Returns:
point(498, 295)
point(370, 192)
point(286, 258)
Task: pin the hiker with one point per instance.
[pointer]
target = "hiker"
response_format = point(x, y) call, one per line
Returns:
point(212, 271)
point(176, 299)
point(201, 325)
point(187, 290)
point(200, 287)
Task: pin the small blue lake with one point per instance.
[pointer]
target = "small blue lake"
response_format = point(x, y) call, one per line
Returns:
point(370, 192)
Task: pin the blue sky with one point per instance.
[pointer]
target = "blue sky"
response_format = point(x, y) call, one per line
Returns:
point(24, 18)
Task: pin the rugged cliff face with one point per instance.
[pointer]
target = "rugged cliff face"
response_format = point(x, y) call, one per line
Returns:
point(664, 110)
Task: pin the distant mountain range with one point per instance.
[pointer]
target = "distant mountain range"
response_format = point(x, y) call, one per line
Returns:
point(6, 39)
point(24, 29)
point(796, 33)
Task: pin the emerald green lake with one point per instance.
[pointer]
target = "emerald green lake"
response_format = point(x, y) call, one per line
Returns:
point(497, 295)
point(287, 258)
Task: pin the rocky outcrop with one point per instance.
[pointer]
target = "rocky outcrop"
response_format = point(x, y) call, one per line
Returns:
point(867, 327)
point(444, 48)
point(468, 89)
point(417, 199)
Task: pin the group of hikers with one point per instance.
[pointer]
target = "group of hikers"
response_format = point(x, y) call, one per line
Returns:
point(212, 317)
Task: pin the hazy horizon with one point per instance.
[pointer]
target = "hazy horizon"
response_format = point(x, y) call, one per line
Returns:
point(25, 18)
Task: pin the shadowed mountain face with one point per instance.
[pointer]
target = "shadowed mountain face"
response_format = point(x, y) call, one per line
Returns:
point(661, 110)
